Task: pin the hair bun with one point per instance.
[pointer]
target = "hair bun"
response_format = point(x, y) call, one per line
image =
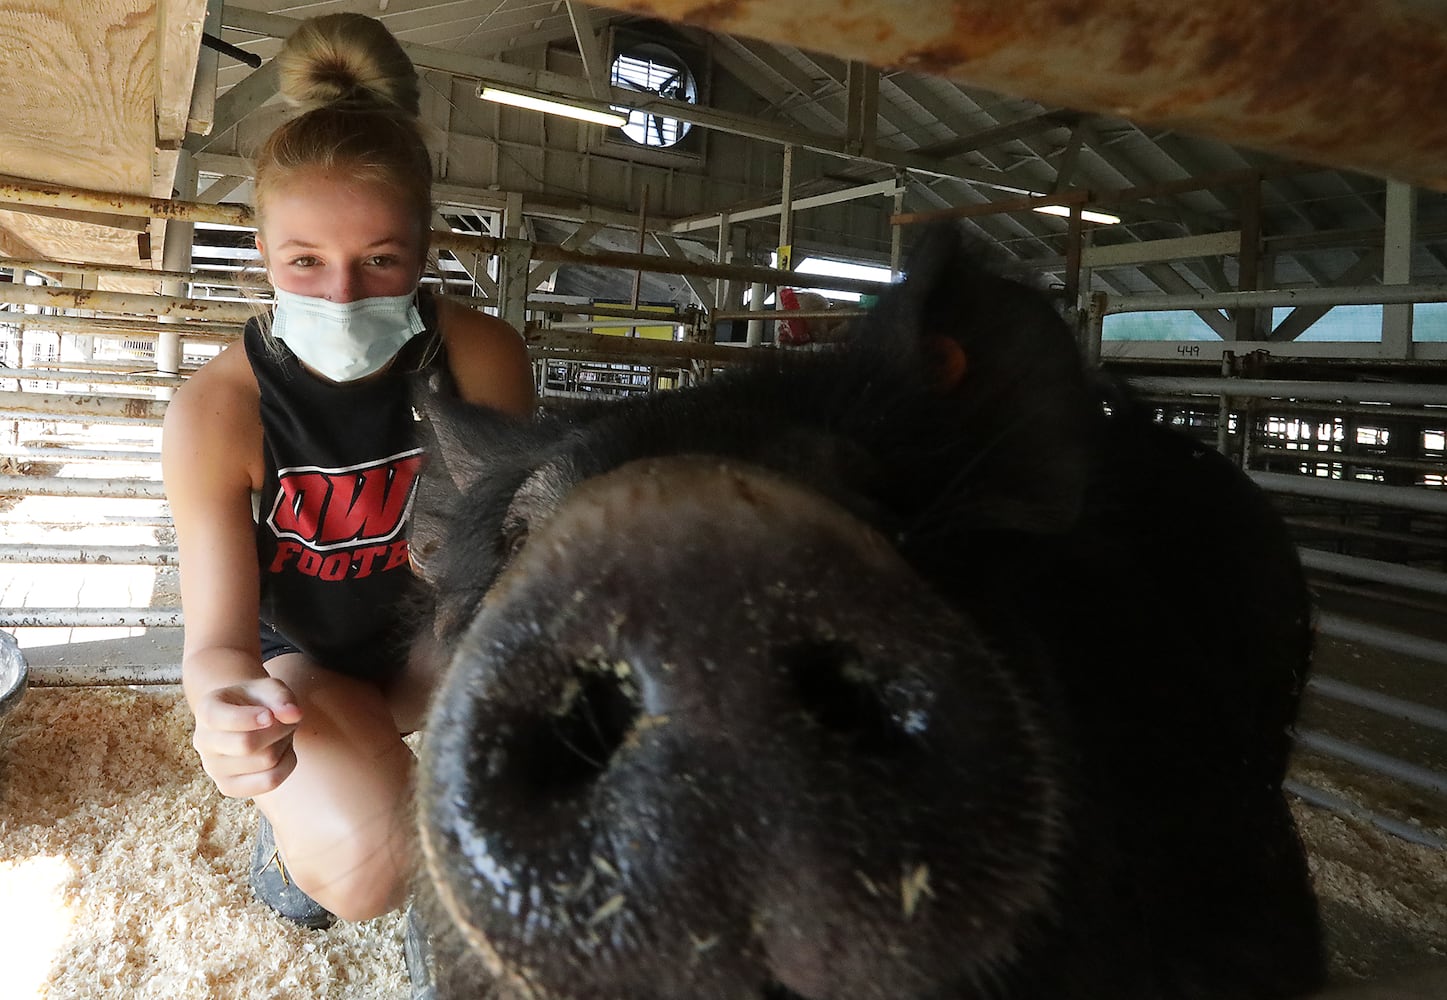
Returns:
point(347, 58)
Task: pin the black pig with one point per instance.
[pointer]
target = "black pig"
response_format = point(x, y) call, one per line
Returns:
point(918, 668)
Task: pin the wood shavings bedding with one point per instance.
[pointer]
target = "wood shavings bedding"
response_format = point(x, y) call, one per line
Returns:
point(123, 874)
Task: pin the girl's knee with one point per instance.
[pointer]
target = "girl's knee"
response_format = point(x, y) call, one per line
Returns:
point(354, 885)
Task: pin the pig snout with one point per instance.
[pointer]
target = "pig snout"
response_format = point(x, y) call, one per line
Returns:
point(710, 735)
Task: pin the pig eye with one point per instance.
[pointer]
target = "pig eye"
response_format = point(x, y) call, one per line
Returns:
point(514, 537)
point(532, 504)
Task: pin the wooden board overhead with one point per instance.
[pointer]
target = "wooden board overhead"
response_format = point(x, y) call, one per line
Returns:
point(1344, 83)
point(87, 85)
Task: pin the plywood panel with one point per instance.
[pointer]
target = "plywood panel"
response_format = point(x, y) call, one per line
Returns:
point(178, 45)
point(77, 107)
point(76, 97)
point(61, 239)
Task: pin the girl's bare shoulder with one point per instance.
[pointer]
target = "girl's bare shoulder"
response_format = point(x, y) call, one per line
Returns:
point(225, 380)
point(488, 358)
point(215, 415)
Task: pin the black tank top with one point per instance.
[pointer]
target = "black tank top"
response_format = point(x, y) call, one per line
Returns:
point(341, 468)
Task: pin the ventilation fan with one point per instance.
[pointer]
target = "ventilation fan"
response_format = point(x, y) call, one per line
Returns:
point(654, 70)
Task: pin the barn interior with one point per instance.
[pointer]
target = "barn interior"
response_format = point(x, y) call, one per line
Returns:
point(1240, 209)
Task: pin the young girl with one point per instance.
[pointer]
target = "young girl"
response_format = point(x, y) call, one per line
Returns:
point(290, 462)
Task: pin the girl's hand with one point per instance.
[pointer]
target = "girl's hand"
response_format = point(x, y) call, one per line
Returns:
point(243, 734)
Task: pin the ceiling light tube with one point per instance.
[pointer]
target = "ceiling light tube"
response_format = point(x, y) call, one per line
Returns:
point(1086, 214)
point(600, 115)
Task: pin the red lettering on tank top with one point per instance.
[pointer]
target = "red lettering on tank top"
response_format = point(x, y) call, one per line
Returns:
point(347, 521)
point(365, 558)
point(397, 555)
point(328, 509)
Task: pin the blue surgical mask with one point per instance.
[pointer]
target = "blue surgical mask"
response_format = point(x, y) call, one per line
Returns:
point(345, 341)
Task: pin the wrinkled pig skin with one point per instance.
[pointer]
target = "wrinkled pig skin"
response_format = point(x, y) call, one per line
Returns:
point(926, 666)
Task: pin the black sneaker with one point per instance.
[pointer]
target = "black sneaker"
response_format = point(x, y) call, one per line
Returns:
point(417, 951)
point(275, 888)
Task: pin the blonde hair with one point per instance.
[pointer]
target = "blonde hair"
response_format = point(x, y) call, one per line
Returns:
point(356, 96)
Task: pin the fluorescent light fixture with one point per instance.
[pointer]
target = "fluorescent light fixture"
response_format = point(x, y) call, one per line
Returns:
point(1086, 214)
point(836, 269)
point(600, 115)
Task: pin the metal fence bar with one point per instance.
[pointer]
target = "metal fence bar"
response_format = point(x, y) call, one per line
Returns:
point(89, 555)
point(67, 455)
point(1416, 498)
point(110, 520)
point(90, 618)
point(124, 329)
point(1318, 457)
point(1375, 570)
point(1373, 760)
point(32, 416)
point(129, 303)
point(85, 675)
point(1345, 392)
point(28, 193)
point(1360, 295)
point(89, 377)
point(1344, 807)
point(57, 486)
point(723, 315)
point(1399, 708)
point(82, 407)
point(1381, 638)
point(99, 270)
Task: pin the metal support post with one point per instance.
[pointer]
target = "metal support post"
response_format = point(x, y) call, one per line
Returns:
point(514, 259)
point(896, 231)
point(1094, 329)
point(1248, 259)
point(1401, 223)
point(1223, 414)
point(176, 256)
point(786, 207)
point(721, 256)
point(756, 302)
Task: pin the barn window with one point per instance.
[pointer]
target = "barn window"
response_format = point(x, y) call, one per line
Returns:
point(652, 69)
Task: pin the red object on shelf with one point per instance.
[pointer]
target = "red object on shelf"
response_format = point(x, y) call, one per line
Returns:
point(791, 331)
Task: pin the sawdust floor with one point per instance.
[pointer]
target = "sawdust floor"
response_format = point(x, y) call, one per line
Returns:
point(123, 873)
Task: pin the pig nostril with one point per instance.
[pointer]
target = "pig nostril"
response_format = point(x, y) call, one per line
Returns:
point(567, 749)
point(841, 695)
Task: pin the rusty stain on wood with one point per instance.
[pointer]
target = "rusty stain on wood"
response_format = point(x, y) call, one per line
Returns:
point(1353, 85)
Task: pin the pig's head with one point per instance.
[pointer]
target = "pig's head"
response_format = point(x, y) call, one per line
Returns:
point(721, 716)
point(718, 721)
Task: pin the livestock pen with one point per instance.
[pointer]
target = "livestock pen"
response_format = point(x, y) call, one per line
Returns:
point(133, 868)
point(126, 126)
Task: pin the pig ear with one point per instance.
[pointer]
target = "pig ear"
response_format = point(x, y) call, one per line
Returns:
point(457, 430)
point(958, 289)
point(1009, 371)
point(464, 444)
